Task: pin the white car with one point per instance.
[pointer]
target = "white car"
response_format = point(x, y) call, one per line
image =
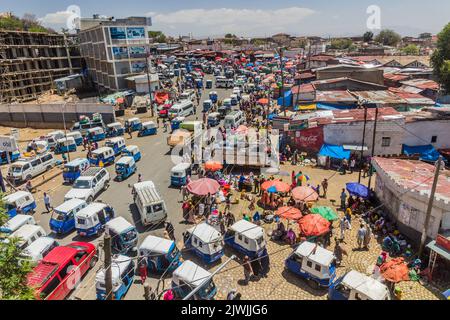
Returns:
point(89, 185)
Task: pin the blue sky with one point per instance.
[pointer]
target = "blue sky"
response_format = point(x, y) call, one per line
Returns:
point(251, 17)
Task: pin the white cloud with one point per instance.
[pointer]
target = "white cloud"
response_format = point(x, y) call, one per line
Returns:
point(245, 22)
point(56, 18)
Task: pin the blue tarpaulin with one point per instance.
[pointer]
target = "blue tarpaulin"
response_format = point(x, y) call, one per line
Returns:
point(358, 190)
point(427, 153)
point(287, 99)
point(332, 151)
point(327, 106)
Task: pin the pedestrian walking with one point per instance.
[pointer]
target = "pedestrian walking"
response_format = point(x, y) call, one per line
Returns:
point(368, 236)
point(352, 165)
point(139, 177)
point(47, 204)
point(343, 199)
point(165, 125)
point(339, 252)
point(325, 187)
point(348, 215)
point(170, 230)
point(343, 226)
point(143, 270)
point(361, 235)
point(130, 132)
point(248, 270)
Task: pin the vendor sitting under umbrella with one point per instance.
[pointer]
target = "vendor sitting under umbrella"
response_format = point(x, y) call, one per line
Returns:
point(280, 232)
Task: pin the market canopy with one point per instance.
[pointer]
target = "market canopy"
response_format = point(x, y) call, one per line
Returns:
point(313, 225)
point(325, 212)
point(289, 213)
point(263, 101)
point(213, 166)
point(202, 187)
point(328, 106)
point(306, 107)
point(333, 151)
point(358, 190)
point(276, 186)
point(395, 270)
point(426, 153)
point(305, 194)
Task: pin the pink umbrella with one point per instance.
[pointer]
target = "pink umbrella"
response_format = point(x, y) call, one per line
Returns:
point(202, 187)
point(305, 194)
point(242, 129)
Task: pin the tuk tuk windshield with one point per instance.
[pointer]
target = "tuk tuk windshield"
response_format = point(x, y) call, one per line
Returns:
point(129, 235)
point(60, 216)
point(71, 169)
point(171, 255)
point(10, 206)
point(82, 184)
point(178, 174)
point(207, 289)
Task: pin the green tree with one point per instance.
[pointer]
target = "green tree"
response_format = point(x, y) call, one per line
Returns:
point(11, 23)
point(13, 272)
point(340, 44)
point(388, 38)
point(229, 36)
point(157, 36)
point(440, 60)
point(368, 36)
point(411, 50)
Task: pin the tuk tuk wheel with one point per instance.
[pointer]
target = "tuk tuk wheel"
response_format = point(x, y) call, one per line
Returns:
point(93, 262)
point(312, 284)
point(90, 199)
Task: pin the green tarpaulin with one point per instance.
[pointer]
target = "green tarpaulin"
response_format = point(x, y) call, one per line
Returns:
point(325, 212)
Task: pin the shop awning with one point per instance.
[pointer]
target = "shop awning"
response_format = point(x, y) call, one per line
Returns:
point(427, 152)
point(333, 151)
point(306, 107)
point(354, 147)
point(326, 106)
point(439, 250)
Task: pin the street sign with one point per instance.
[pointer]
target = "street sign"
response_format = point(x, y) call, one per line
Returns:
point(8, 143)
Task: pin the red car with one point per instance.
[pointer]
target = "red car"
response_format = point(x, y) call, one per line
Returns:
point(61, 270)
point(164, 111)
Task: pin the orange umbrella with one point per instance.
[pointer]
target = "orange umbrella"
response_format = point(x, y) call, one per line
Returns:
point(313, 225)
point(279, 185)
point(242, 129)
point(213, 166)
point(289, 213)
point(395, 270)
point(263, 101)
point(304, 194)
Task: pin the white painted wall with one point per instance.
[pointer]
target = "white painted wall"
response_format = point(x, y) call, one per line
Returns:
point(421, 132)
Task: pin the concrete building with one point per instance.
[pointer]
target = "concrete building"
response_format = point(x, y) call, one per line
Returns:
point(140, 83)
point(114, 49)
point(30, 61)
point(404, 186)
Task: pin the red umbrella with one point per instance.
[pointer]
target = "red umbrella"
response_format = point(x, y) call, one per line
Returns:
point(202, 187)
point(279, 185)
point(289, 213)
point(313, 225)
point(213, 166)
point(304, 194)
point(395, 270)
point(263, 101)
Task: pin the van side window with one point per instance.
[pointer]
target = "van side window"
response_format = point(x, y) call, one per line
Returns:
point(35, 163)
point(39, 234)
point(309, 264)
point(240, 236)
point(317, 267)
point(79, 256)
point(50, 287)
point(26, 167)
point(46, 158)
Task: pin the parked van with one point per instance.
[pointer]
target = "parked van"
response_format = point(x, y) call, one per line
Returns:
point(103, 154)
point(188, 95)
point(74, 169)
point(27, 234)
point(223, 82)
point(63, 217)
point(234, 119)
point(19, 202)
point(27, 168)
point(89, 185)
point(16, 222)
point(53, 137)
point(76, 135)
point(117, 144)
point(37, 250)
point(183, 108)
point(149, 202)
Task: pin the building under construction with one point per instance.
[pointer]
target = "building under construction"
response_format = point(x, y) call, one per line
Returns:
point(31, 61)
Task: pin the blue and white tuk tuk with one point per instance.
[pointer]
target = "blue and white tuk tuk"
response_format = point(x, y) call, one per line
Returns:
point(160, 254)
point(213, 96)
point(74, 169)
point(357, 286)
point(207, 105)
point(189, 276)
point(125, 167)
point(134, 123)
point(234, 100)
point(132, 151)
point(63, 216)
point(15, 223)
point(91, 220)
point(247, 238)
point(13, 156)
point(117, 144)
point(176, 122)
point(104, 154)
point(313, 263)
point(209, 84)
point(148, 128)
point(115, 129)
point(65, 145)
point(199, 83)
point(19, 202)
point(122, 272)
point(76, 135)
point(206, 242)
point(96, 134)
point(179, 173)
point(123, 234)
point(214, 119)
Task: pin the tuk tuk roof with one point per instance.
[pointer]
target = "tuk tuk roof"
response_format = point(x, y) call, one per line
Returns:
point(322, 256)
point(368, 286)
point(13, 197)
point(69, 205)
point(207, 101)
point(91, 209)
point(16, 221)
point(119, 264)
point(213, 92)
point(248, 229)
point(114, 125)
point(132, 148)
point(205, 233)
point(150, 124)
point(190, 273)
point(119, 225)
point(74, 134)
point(214, 114)
point(95, 129)
point(227, 100)
point(125, 160)
point(69, 139)
point(133, 119)
point(102, 150)
point(25, 230)
point(183, 166)
point(38, 245)
point(156, 244)
point(55, 133)
point(76, 162)
point(115, 139)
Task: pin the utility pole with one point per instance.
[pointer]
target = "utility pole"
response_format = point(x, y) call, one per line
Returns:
point(280, 54)
point(430, 206)
point(108, 272)
point(149, 83)
point(63, 107)
point(362, 144)
point(373, 145)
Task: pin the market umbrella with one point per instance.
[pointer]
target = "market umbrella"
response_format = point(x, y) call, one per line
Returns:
point(213, 166)
point(280, 186)
point(395, 270)
point(242, 129)
point(325, 212)
point(313, 225)
point(304, 193)
point(202, 187)
point(263, 101)
point(289, 213)
point(357, 189)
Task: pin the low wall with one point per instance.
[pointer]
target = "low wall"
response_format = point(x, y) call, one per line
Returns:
point(50, 116)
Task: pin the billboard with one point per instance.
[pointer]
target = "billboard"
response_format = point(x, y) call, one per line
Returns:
point(311, 139)
point(137, 52)
point(138, 67)
point(118, 33)
point(120, 53)
point(135, 33)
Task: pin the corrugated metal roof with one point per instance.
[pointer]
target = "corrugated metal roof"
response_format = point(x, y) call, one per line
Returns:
point(335, 96)
point(379, 96)
point(422, 84)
